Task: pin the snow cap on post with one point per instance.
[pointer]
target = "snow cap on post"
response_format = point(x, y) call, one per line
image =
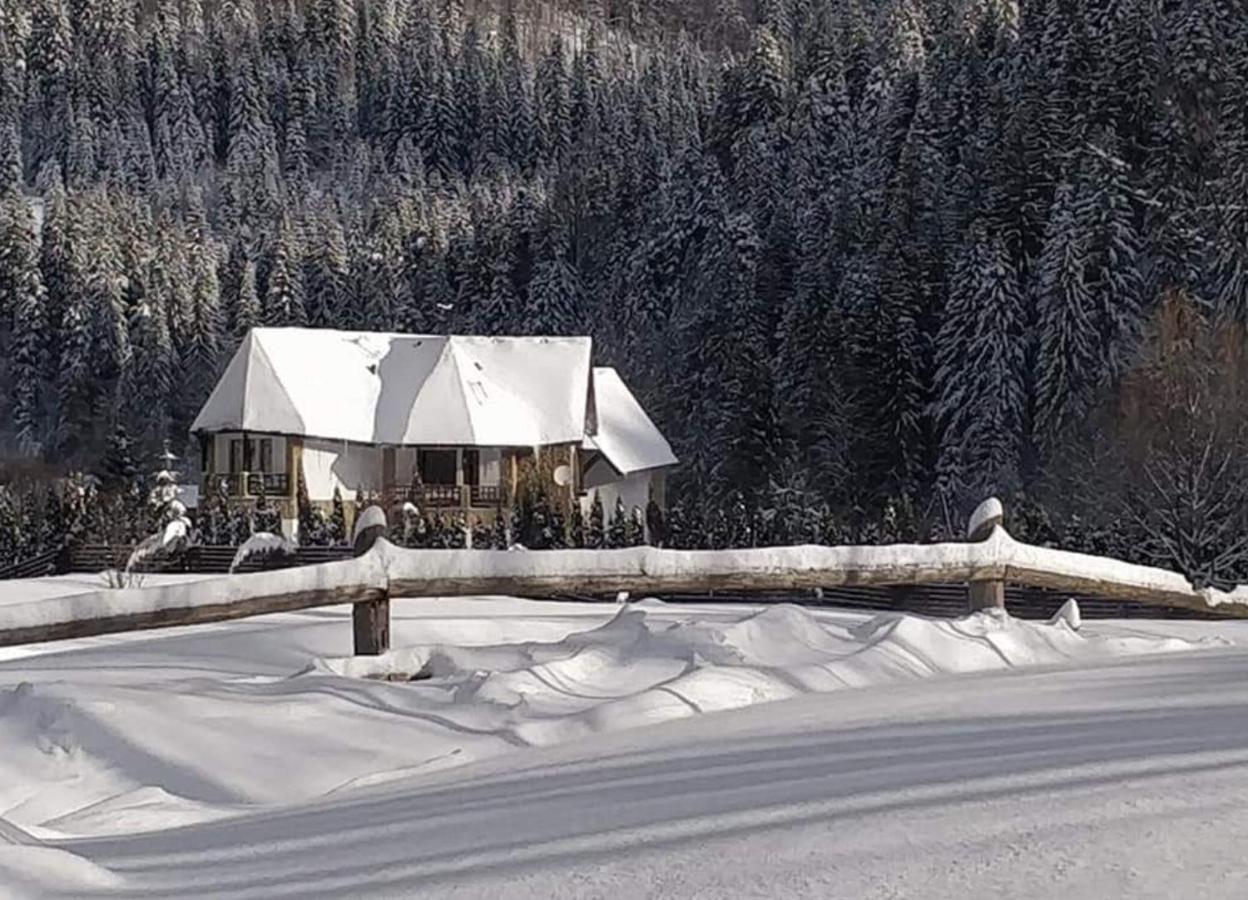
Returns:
point(987, 516)
point(370, 619)
point(370, 524)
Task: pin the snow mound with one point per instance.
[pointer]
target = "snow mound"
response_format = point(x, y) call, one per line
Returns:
point(65, 767)
point(32, 872)
point(635, 670)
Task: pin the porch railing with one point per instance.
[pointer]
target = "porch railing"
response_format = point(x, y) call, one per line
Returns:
point(442, 496)
point(276, 484)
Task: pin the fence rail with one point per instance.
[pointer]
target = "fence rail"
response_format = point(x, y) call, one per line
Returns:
point(201, 558)
point(987, 562)
point(48, 563)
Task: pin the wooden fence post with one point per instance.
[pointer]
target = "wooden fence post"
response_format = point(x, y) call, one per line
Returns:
point(370, 620)
point(990, 593)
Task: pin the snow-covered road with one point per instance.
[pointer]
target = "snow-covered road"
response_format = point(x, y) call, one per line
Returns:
point(1125, 777)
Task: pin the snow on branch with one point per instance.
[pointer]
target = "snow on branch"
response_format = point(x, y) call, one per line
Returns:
point(262, 543)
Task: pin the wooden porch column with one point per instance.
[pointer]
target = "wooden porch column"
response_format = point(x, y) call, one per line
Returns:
point(989, 593)
point(389, 473)
point(294, 462)
point(370, 620)
point(246, 461)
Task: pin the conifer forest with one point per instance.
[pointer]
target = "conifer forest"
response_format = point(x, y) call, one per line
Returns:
point(865, 262)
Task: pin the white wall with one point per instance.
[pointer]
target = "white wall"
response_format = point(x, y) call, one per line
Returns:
point(634, 489)
point(349, 467)
point(489, 466)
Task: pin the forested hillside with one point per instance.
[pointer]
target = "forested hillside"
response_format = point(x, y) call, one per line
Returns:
point(878, 256)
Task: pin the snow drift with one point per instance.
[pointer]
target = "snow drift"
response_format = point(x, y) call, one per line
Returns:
point(637, 670)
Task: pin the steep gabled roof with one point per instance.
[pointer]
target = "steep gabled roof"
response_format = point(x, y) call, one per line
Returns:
point(626, 436)
point(380, 388)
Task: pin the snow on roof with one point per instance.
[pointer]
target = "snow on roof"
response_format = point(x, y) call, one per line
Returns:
point(626, 436)
point(380, 388)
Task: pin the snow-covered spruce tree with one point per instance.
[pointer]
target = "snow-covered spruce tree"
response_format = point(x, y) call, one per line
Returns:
point(22, 298)
point(554, 114)
point(336, 533)
point(595, 529)
point(247, 313)
point(576, 525)
point(164, 491)
point(11, 540)
point(150, 377)
point(482, 533)
point(500, 532)
point(311, 522)
point(556, 529)
point(656, 526)
point(266, 515)
point(634, 528)
point(980, 376)
point(326, 271)
point(554, 292)
point(1070, 357)
point(283, 300)
point(119, 473)
point(617, 530)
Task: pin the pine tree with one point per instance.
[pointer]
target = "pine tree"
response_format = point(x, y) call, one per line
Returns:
point(265, 516)
point(617, 531)
point(980, 374)
point(119, 473)
point(337, 531)
point(595, 531)
point(23, 298)
point(576, 526)
point(656, 530)
point(311, 526)
point(247, 302)
point(634, 528)
point(283, 302)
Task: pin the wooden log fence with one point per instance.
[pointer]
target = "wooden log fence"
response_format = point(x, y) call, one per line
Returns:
point(383, 572)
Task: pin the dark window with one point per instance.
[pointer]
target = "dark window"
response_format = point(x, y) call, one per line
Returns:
point(436, 466)
point(266, 455)
point(236, 455)
point(472, 467)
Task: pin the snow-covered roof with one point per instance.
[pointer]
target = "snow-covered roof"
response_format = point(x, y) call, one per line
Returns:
point(626, 436)
point(378, 388)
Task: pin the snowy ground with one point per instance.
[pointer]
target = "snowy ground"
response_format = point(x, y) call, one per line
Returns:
point(593, 750)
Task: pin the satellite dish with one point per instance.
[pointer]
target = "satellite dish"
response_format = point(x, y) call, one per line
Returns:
point(563, 476)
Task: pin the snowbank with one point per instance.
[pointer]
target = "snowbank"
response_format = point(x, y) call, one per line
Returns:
point(637, 670)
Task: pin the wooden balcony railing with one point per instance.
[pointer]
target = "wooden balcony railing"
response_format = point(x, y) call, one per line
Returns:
point(444, 496)
point(276, 484)
point(486, 494)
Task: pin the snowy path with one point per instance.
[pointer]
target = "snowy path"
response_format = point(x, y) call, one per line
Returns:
point(1093, 779)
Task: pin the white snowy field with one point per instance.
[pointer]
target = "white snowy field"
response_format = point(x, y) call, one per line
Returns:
point(651, 750)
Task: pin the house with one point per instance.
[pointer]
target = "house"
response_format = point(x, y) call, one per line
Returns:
point(454, 421)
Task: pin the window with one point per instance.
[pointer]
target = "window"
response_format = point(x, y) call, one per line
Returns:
point(436, 466)
point(472, 467)
point(236, 455)
point(266, 455)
